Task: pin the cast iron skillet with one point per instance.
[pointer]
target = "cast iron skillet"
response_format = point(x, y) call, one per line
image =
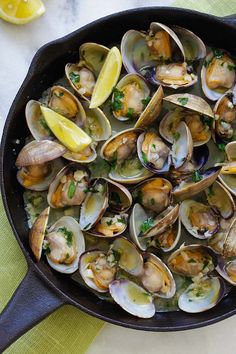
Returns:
point(43, 290)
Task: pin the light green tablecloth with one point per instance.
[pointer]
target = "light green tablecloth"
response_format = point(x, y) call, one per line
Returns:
point(68, 330)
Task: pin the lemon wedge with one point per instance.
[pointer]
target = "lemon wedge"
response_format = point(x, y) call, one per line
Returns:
point(20, 12)
point(67, 132)
point(107, 78)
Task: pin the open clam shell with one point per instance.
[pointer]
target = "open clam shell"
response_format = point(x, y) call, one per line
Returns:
point(219, 73)
point(130, 259)
point(97, 125)
point(65, 103)
point(94, 205)
point(230, 150)
point(169, 239)
point(153, 153)
point(229, 247)
point(71, 225)
point(132, 298)
point(153, 194)
point(157, 278)
point(39, 183)
point(89, 154)
point(182, 148)
point(36, 122)
point(120, 198)
point(97, 270)
point(134, 90)
point(37, 233)
point(110, 225)
point(202, 295)
point(227, 269)
point(39, 152)
point(153, 227)
point(220, 200)
point(121, 151)
point(68, 187)
point(137, 217)
point(198, 219)
point(93, 55)
point(193, 260)
point(188, 188)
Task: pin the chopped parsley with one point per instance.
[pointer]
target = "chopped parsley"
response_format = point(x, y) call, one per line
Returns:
point(122, 220)
point(221, 147)
point(154, 146)
point(109, 223)
point(116, 103)
point(196, 176)
point(191, 260)
point(176, 135)
point(145, 101)
point(90, 190)
point(146, 225)
point(144, 157)
point(231, 67)
point(115, 198)
point(130, 113)
point(207, 121)
point(71, 189)
point(183, 100)
point(46, 248)
point(43, 124)
point(74, 77)
point(68, 235)
point(218, 53)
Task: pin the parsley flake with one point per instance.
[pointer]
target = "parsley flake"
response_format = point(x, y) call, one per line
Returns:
point(68, 235)
point(146, 225)
point(196, 176)
point(74, 77)
point(183, 100)
point(130, 113)
point(116, 103)
point(221, 147)
point(71, 189)
point(145, 101)
point(176, 135)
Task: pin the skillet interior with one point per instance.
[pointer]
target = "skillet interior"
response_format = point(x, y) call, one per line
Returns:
point(46, 68)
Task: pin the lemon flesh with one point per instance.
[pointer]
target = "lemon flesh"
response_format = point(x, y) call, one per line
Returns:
point(107, 78)
point(20, 12)
point(67, 132)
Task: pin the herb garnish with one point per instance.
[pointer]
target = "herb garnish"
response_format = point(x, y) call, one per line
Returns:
point(145, 101)
point(46, 248)
point(68, 235)
point(109, 223)
point(144, 157)
point(43, 123)
point(231, 67)
point(221, 147)
point(90, 190)
point(146, 225)
point(154, 146)
point(218, 53)
point(207, 120)
point(196, 176)
point(191, 260)
point(116, 103)
point(183, 100)
point(122, 220)
point(71, 189)
point(130, 113)
point(74, 77)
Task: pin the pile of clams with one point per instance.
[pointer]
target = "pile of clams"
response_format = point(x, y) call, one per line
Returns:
point(143, 212)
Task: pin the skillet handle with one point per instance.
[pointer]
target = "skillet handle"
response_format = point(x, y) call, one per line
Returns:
point(32, 301)
point(230, 20)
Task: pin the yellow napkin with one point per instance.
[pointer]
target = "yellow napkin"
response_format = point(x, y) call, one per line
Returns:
point(68, 330)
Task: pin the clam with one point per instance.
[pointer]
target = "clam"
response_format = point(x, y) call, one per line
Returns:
point(192, 261)
point(169, 239)
point(39, 177)
point(202, 295)
point(153, 153)
point(132, 298)
point(229, 247)
point(153, 194)
point(182, 148)
point(97, 269)
point(199, 219)
point(97, 125)
point(196, 183)
point(129, 258)
point(110, 225)
point(63, 242)
point(87, 155)
point(94, 205)
point(217, 74)
point(227, 176)
point(227, 269)
point(65, 103)
point(69, 186)
point(157, 278)
point(225, 113)
point(39, 152)
point(196, 113)
point(158, 56)
point(159, 224)
point(220, 200)
point(120, 199)
point(137, 218)
point(121, 151)
point(36, 122)
point(82, 75)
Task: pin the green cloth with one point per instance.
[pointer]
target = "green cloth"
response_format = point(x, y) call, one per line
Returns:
point(68, 330)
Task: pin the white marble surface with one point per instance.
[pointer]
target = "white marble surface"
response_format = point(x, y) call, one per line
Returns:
point(18, 45)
